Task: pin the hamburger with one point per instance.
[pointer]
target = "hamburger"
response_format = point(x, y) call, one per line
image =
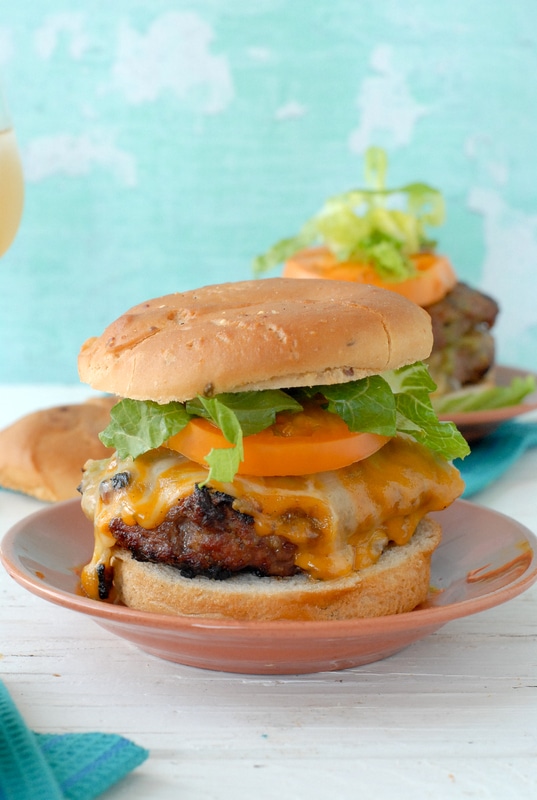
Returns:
point(381, 236)
point(276, 453)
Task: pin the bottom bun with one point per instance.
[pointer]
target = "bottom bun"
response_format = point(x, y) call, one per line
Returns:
point(398, 582)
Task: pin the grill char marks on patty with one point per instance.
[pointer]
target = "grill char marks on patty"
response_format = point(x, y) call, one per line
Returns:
point(463, 346)
point(204, 535)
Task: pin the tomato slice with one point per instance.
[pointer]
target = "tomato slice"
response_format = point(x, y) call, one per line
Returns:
point(297, 444)
point(434, 279)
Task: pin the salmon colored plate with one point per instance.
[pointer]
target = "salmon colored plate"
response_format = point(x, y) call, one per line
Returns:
point(475, 425)
point(485, 559)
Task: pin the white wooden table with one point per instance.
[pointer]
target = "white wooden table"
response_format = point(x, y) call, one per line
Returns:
point(453, 716)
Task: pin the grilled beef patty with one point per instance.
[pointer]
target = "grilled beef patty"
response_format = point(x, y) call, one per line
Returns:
point(204, 535)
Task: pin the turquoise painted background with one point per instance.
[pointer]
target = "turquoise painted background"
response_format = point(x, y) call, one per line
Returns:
point(166, 143)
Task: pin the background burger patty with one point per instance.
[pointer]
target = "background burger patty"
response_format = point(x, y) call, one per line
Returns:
point(204, 535)
point(461, 311)
point(463, 349)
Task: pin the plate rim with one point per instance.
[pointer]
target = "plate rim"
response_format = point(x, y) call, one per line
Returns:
point(499, 415)
point(117, 615)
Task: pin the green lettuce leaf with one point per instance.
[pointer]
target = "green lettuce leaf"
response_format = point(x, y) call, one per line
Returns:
point(138, 426)
point(416, 416)
point(278, 253)
point(254, 411)
point(484, 398)
point(396, 402)
point(385, 254)
point(369, 225)
point(366, 405)
point(224, 462)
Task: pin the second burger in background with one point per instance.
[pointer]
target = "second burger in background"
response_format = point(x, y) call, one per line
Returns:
point(381, 237)
point(277, 453)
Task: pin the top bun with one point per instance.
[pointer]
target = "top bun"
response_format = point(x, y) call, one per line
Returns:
point(259, 334)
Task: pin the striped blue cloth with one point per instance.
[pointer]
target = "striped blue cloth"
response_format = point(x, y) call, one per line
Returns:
point(492, 456)
point(36, 766)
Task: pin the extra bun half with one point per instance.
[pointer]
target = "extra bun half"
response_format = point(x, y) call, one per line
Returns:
point(43, 454)
point(259, 334)
point(398, 582)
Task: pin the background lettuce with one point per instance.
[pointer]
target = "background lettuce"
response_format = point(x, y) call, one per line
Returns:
point(376, 225)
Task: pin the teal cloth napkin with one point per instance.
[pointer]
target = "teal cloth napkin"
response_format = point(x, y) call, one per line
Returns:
point(36, 766)
point(493, 455)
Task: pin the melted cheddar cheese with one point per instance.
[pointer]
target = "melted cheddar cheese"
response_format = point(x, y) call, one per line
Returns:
point(340, 521)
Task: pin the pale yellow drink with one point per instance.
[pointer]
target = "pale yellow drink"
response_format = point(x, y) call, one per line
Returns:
point(11, 189)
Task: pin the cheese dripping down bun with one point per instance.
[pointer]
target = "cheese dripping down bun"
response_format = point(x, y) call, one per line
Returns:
point(358, 537)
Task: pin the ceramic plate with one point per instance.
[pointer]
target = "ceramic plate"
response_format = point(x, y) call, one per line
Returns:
point(475, 425)
point(485, 559)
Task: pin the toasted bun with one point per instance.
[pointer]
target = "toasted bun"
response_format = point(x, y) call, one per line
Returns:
point(258, 334)
point(42, 454)
point(398, 582)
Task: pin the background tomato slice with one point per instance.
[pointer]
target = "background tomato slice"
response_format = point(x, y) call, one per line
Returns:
point(298, 444)
point(434, 279)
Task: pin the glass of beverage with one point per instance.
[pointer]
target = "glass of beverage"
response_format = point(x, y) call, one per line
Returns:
point(11, 180)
